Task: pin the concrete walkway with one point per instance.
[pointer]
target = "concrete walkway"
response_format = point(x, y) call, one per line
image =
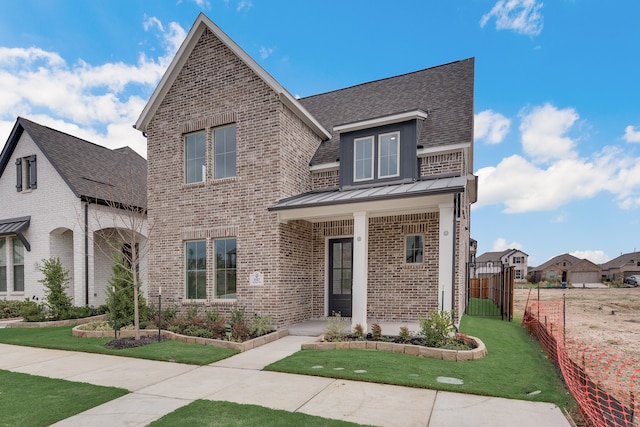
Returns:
point(159, 388)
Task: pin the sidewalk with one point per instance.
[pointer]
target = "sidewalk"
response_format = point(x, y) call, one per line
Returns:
point(159, 388)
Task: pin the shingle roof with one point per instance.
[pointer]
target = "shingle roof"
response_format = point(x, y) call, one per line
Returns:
point(445, 92)
point(91, 171)
point(622, 260)
point(557, 259)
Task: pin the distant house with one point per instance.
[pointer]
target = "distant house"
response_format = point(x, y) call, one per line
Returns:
point(355, 201)
point(625, 265)
point(492, 262)
point(567, 268)
point(56, 190)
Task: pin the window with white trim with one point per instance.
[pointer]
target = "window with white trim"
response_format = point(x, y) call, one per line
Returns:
point(363, 159)
point(18, 266)
point(224, 152)
point(196, 269)
point(3, 265)
point(225, 252)
point(518, 274)
point(414, 249)
point(517, 260)
point(389, 155)
point(195, 157)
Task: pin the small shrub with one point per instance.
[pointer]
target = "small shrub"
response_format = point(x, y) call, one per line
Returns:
point(239, 326)
point(358, 332)
point(9, 308)
point(195, 331)
point(376, 331)
point(260, 325)
point(336, 328)
point(437, 327)
point(31, 311)
point(404, 336)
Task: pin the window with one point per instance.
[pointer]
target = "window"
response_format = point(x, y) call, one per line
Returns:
point(195, 157)
point(518, 274)
point(517, 260)
point(18, 266)
point(224, 152)
point(552, 274)
point(196, 267)
point(414, 249)
point(26, 173)
point(3, 266)
point(363, 159)
point(388, 155)
point(225, 268)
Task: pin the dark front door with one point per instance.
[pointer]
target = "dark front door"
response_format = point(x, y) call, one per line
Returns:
point(340, 276)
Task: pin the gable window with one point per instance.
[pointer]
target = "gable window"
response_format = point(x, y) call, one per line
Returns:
point(195, 157)
point(224, 152)
point(3, 266)
point(26, 173)
point(225, 268)
point(363, 159)
point(517, 260)
point(18, 266)
point(414, 249)
point(388, 155)
point(196, 268)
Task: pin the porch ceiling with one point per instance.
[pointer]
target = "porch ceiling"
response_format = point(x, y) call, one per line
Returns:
point(419, 196)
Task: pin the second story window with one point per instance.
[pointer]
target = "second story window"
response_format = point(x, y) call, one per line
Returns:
point(388, 155)
point(363, 159)
point(26, 173)
point(224, 152)
point(195, 157)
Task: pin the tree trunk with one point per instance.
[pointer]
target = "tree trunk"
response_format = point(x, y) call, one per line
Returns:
point(136, 314)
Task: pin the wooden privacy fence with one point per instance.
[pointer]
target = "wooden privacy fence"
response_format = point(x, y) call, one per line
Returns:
point(490, 290)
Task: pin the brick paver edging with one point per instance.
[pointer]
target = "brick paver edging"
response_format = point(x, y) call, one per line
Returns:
point(54, 323)
point(414, 350)
point(239, 346)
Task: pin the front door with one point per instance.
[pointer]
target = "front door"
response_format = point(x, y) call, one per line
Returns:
point(340, 276)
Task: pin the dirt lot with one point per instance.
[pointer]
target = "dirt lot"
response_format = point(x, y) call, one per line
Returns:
point(604, 317)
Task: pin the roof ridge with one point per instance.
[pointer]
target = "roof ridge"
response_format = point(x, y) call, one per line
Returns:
point(388, 78)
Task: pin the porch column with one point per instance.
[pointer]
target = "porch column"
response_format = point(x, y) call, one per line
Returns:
point(360, 268)
point(445, 261)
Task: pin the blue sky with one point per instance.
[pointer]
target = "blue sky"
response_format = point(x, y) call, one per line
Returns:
point(557, 117)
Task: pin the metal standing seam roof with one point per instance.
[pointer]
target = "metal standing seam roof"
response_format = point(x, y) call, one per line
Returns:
point(15, 227)
point(397, 191)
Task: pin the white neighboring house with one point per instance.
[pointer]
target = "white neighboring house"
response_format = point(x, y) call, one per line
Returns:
point(491, 262)
point(59, 196)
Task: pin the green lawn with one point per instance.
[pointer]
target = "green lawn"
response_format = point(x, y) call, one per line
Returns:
point(207, 413)
point(482, 307)
point(29, 400)
point(60, 338)
point(514, 367)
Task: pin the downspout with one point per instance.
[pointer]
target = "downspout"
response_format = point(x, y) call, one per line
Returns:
point(86, 252)
point(456, 219)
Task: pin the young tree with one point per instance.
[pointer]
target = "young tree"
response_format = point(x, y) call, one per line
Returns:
point(121, 288)
point(56, 281)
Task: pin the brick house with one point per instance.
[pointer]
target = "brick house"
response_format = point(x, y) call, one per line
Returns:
point(621, 267)
point(354, 201)
point(566, 268)
point(57, 192)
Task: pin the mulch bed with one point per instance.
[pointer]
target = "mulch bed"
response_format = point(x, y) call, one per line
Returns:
point(131, 342)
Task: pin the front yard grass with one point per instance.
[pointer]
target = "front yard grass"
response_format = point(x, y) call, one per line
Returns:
point(29, 400)
point(208, 413)
point(515, 367)
point(60, 338)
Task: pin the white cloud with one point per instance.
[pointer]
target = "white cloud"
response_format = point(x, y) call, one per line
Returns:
point(543, 132)
point(596, 257)
point(501, 244)
point(521, 16)
point(631, 134)
point(244, 5)
point(491, 127)
point(265, 52)
point(85, 100)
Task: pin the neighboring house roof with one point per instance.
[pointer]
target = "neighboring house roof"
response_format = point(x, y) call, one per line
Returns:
point(621, 261)
point(91, 171)
point(334, 197)
point(585, 265)
point(497, 256)
point(557, 260)
point(201, 24)
point(444, 92)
